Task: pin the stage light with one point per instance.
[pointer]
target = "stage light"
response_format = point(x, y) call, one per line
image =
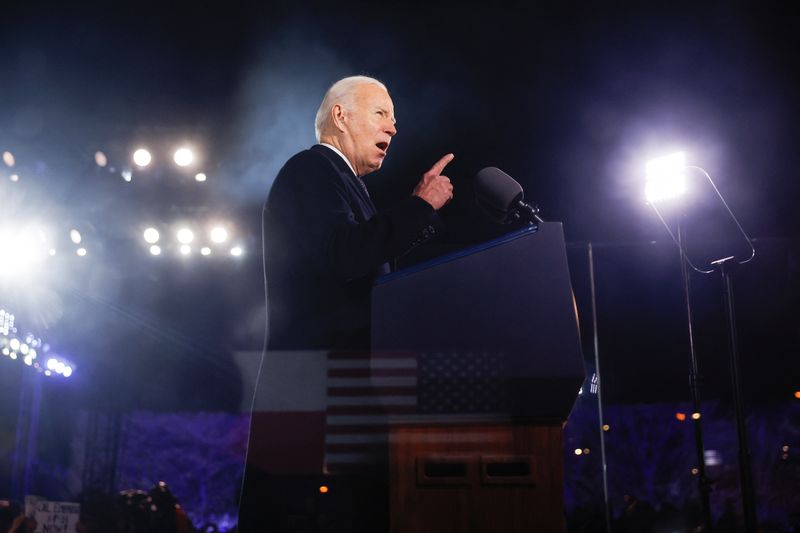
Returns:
point(14, 344)
point(8, 159)
point(127, 175)
point(695, 471)
point(219, 234)
point(578, 451)
point(81, 252)
point(186, 249)
point(13, 355)
point(680, 416)
point(236, 251)
point(142, 157)
point(323, 489)
point(695, 416)
point(185, 235)
point(151, 235)
point(47, 373)
point(797, 394)
point(67, 371)
point(205, 250)
point(28, 361)
point(6, 351)
point(14, 177)
point(183, 157)
point(75, 236)
point(100, 158)
point(20, 251)
point(666, 177)
point(59, 367)
point(606, 427)
point(155, 250)
point(51, 363)
point(200, 177)
point(23, 348)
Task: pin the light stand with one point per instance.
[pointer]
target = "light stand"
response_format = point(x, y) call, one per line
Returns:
point(666, 178)
point(703, 483)
point(726, 267)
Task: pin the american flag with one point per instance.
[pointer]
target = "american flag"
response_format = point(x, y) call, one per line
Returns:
point(363, 391)
point(366, 392)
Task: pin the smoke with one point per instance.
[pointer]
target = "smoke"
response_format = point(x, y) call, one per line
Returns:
point(275, 109)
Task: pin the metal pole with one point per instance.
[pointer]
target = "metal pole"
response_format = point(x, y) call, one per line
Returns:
point(606, 504)
point(745, 470)
point(703, 484)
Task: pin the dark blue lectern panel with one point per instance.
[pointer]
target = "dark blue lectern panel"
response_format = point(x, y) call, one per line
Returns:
point(493, 328)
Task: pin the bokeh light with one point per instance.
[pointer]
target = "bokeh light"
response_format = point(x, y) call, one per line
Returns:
point(219, 234)
point(185, 235)
point(151, 235)
point(183, 157)
point(142, 157)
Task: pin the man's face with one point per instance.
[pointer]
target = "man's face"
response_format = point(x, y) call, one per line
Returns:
point(370, 126)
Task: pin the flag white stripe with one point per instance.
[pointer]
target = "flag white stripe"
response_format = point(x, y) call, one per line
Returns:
point(354, 458)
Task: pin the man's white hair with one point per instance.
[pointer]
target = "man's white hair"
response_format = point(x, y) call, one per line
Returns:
point(341, 92)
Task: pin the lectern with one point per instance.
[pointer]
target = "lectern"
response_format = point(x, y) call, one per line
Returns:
point(493, 335)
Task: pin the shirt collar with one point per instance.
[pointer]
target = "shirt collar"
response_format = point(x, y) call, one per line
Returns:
point(341, 155)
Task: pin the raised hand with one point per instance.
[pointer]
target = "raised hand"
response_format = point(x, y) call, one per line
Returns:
point(435, 188)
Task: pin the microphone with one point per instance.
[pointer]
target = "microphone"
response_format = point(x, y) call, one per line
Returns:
point(502, 197)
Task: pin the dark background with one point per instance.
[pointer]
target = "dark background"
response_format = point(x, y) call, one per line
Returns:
point(569, 98)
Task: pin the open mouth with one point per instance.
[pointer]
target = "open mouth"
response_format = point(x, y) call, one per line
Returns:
point(382, 146)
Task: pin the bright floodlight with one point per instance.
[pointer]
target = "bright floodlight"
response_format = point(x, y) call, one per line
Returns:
point(20, 253)
point(183, 157)
point(75, 236)
point(200, 176)
point(126, 174)
point(142, 157)
point(219, 234)
point(67, 371)
point(186, 249)
point(14, 177)
point(205, 250)
point(8, 159)
point(151, 235)
point(81, 252)
point(666, 177)
point(185, 236)
point(155, 250)
point(100, 158)
point(236, 251)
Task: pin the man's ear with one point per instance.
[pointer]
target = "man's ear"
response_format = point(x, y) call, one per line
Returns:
point(339, 117)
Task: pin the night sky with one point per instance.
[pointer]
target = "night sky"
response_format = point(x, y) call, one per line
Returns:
point(569, 98)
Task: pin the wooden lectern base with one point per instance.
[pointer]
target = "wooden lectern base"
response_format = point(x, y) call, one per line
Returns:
point(476, 478)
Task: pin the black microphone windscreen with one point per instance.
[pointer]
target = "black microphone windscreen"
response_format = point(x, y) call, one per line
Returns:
point(497, 192)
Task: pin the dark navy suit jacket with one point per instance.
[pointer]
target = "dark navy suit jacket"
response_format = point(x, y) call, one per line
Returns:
point(324, 244)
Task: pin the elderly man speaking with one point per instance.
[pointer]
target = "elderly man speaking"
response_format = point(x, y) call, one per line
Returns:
point(324, 241)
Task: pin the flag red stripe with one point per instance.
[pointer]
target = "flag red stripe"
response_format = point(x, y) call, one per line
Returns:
point(366, 372)
point(371, 409)
point(372, 391)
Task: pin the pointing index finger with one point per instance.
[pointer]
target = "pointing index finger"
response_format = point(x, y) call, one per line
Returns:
point(438, 167)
